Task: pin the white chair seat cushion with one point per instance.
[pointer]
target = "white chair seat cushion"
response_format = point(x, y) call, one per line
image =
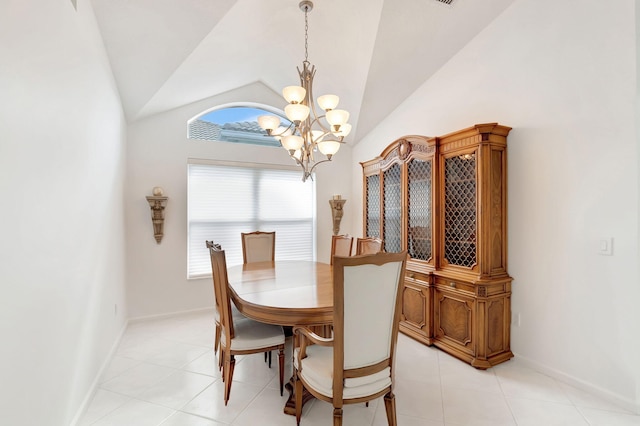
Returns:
point(250, 334)
point(317, 371)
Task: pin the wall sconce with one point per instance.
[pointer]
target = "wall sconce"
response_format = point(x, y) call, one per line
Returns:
point(157, 202)
point(337, 203)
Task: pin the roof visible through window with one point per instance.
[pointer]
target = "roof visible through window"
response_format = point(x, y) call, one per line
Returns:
point(233, 124)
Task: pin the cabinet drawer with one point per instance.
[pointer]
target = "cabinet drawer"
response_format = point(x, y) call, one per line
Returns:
point(416, 278)
point(457, 285)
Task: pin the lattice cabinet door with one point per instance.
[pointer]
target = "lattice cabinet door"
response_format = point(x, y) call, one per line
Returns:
point(372, 206)
point(420, 209)
point(460, 210)
point(372, 198)
point(392, 209)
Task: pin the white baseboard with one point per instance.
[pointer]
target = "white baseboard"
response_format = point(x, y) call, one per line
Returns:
point(169, 315)
point(627, 404)
point(94, 385)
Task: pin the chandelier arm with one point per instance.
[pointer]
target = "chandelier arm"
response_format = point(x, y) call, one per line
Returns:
point(316, 165)
point(300, 163)
point(325, 132)
point(283, 131)
point(339, 140)
point(317, 121)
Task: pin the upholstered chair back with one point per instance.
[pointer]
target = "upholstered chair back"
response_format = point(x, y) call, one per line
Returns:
point(258, 246)
point(369, 245)
point(341, 245)
point(369, 305)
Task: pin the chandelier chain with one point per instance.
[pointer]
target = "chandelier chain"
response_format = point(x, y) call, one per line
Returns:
point(306, 36)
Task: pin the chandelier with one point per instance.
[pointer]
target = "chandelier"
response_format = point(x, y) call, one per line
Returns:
point(308, 132)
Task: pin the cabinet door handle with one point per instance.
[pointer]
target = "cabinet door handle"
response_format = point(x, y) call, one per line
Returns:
point(452, 284)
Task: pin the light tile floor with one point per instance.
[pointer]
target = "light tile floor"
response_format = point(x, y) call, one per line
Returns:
point(165, 373)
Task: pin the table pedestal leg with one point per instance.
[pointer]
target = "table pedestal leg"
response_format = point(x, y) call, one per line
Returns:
point(290, 406)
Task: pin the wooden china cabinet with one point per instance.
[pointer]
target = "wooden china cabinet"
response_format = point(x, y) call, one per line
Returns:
point(443, 199)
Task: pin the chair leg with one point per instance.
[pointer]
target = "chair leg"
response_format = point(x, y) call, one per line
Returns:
point(229, 365)
point(298, 393)
point(390, 406)
point(280, 367)
point(337, 416)
point(265, 357)
point(216, 341)
point(269, 359)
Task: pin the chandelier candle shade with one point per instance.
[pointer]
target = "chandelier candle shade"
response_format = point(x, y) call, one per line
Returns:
point(309, 131)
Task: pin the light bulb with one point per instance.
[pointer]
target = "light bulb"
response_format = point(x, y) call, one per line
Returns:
point(296, 112)
point(268, 122)
point(329, 148)
point(292, 142)
point(328, 102)
point(345, 129)
point(337, 117)
point(294, 94)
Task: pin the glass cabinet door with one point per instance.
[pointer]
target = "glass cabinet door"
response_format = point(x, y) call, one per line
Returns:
point(392, 237)
point(460, 221)
point(372, 220)
point(419, 208)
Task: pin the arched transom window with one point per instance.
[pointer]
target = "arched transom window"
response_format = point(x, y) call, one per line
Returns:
point(237, 124)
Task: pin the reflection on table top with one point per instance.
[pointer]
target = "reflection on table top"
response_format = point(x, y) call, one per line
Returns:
point(283, 292)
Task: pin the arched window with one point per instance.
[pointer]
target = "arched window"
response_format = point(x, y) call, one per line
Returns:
point(237, 123)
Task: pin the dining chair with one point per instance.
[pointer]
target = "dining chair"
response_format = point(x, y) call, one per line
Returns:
point(243, 336)
point(258, 246)
point(341, 245)
point(356, 364)
point(368, 245)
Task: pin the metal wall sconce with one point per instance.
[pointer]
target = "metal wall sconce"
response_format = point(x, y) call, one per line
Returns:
point(337, 204)
point(157, 202)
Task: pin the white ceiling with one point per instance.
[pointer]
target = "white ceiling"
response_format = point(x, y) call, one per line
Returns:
point(371, 53)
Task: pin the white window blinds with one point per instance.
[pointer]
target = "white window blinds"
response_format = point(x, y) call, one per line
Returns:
point(225, 200)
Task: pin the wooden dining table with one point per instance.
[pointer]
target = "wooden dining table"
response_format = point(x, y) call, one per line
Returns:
point(287, 293)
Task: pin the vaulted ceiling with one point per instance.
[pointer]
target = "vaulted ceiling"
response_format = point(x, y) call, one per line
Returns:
point(372, 53)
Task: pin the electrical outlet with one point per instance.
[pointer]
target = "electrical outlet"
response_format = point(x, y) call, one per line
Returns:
point(605, 246)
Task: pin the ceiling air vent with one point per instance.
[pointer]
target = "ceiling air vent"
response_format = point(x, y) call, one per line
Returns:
point(447, 2)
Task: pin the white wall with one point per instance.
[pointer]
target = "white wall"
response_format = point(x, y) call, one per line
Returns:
point(637, 120)
point(157, 152)
point(62, 215)
point(562, 74)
